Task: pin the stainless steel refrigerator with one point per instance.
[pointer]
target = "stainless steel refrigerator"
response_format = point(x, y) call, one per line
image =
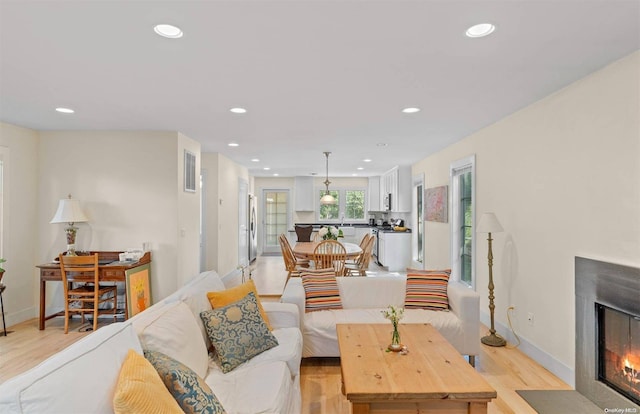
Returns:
point(252, 227)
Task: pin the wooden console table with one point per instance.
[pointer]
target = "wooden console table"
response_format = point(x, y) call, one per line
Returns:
point(111, 270)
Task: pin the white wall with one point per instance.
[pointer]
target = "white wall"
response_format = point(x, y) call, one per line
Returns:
point(188, 231)
point(210, 192)
point(19, 151)
point(126, 183)
point(222, 211)
point(563, 177)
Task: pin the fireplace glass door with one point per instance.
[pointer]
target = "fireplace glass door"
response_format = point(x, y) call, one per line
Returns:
point(619, 351)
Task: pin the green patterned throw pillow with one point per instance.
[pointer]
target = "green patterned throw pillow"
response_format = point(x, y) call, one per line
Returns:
point(187, 388)
point(238, 332)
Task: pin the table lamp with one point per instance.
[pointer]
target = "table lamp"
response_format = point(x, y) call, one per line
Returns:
point(69, 211)
point(489, 224)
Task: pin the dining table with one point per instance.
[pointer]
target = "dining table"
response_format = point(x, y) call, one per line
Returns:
point(304, 250)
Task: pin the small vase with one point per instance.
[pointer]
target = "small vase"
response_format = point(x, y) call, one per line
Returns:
point(395, 346)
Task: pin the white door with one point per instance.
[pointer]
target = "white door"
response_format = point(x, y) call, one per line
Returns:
point(276, 218)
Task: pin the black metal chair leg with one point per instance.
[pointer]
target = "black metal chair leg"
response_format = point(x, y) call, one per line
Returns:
point(4, 324)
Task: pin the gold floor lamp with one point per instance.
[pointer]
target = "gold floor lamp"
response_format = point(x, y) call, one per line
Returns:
point(489, 224)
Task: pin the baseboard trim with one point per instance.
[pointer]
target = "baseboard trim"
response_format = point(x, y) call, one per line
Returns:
point(15, 318)
point(556, 367)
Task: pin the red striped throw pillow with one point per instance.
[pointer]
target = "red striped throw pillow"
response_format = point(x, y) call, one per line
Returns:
point(320, 289)
point(427, 289)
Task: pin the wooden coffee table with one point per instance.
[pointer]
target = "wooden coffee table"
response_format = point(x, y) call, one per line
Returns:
point(432, 377)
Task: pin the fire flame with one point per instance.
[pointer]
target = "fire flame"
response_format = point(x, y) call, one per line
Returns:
point(629, 371)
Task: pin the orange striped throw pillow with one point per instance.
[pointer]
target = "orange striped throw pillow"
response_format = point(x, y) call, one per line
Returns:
point(320, 289)
point(427, 289)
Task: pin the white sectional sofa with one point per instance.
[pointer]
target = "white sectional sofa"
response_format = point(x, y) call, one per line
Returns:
point(82, 378)
point(363, 299)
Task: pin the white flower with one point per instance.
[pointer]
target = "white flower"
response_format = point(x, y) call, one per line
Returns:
point(323, 231)
point(393, 314)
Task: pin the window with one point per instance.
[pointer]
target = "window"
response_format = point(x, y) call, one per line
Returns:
point(350, 205)
point(330, 211)
point(354, 210)
point(462, 174)
point(418, 220)
point(1, 204)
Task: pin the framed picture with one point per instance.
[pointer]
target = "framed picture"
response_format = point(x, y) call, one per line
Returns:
point(436, 204)
point(138, 289)
point(189, 171)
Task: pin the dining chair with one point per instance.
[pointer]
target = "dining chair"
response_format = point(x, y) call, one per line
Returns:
point(291, 263)
point(330, 253)
point(363, 244)
point(303, 232)
point(85, 298)
point(362, 262)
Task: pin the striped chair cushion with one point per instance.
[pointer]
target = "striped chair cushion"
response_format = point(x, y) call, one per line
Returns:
point(427, 289)
point(320, 289)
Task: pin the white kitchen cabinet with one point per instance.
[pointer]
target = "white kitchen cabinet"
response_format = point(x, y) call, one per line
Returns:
point(381, 251)
point(394, 250)
point(397, 182)
point(374, 194)
point(348, 234)
point(304, 199)
point(360, 232)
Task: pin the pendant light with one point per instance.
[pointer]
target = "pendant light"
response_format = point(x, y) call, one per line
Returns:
point(327, 198)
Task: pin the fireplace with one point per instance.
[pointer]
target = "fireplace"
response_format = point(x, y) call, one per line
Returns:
point(608, 334)
point(619, 351)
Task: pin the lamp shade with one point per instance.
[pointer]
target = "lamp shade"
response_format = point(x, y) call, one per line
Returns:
point(489, 224)
point(69, 211)
point(327, 199)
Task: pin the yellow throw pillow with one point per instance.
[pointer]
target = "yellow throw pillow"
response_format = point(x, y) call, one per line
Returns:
point(141, 390)
point(226, 297)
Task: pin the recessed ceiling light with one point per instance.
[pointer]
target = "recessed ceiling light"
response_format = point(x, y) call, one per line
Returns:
point(411, 110)
point(233, 144)
point(366, 160)
point(169, 31)
point(238, 110)
point(354, 175)
point(255, 160)
point(65, 110)
point(275, 174)
point(360, 168)
point(480, 30)
point(266, 168)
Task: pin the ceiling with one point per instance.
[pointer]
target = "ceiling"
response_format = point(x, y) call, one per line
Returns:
point(314, 76)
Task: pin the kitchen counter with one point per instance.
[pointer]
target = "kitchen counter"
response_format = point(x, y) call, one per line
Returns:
point(357, 225)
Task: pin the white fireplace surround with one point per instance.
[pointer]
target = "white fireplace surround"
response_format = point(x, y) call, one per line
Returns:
point(617, 287)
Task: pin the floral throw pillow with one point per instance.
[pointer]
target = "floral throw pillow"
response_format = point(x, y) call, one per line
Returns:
point(187, 388)
point(238, 332)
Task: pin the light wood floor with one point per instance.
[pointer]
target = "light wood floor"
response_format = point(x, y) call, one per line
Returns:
point(506, 369)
